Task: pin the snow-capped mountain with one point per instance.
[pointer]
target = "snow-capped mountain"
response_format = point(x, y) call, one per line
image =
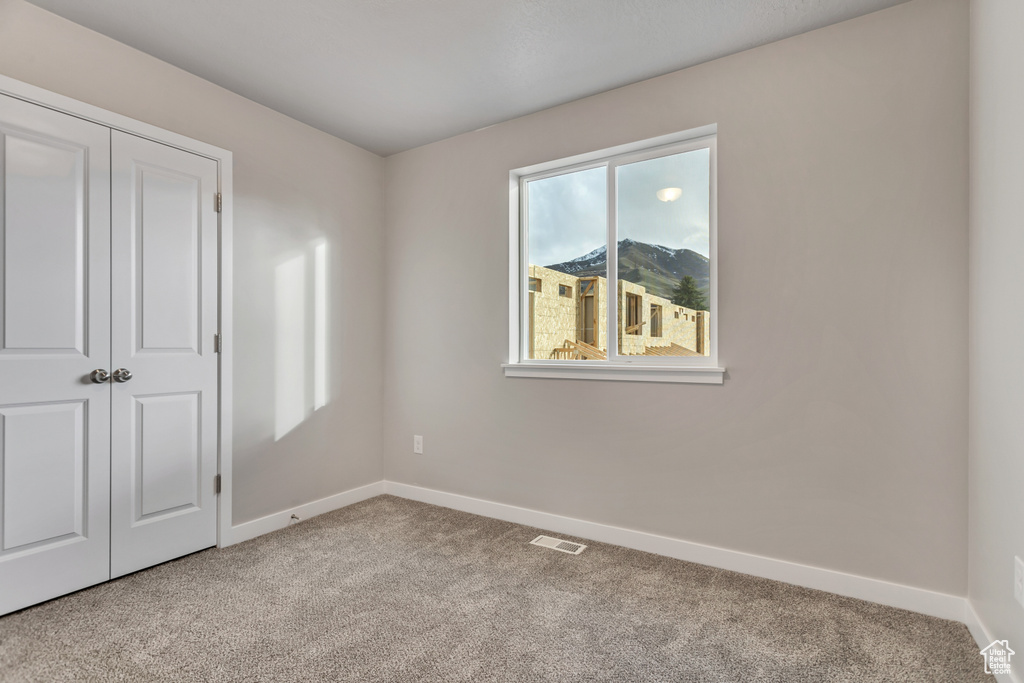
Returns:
point(654, 266)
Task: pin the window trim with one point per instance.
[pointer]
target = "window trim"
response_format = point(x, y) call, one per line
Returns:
point(702, 370)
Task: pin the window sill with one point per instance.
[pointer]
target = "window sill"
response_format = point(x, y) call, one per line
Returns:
point(622, 373)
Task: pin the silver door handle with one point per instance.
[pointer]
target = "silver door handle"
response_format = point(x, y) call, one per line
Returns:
point(121, 375)
point(99, 376)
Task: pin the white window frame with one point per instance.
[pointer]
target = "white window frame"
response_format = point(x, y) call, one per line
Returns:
point(700, 370)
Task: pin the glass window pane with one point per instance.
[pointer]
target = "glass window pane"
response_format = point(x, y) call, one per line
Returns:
point(568, 230)
point(662, 220)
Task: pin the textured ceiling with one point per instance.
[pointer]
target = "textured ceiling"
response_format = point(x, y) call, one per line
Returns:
point(389, 75)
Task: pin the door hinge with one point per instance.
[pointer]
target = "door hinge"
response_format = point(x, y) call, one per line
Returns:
point(217, 343)
point(217, 201)
point(216, 484)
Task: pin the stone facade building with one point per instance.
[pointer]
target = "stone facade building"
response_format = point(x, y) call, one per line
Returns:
point(565, 321)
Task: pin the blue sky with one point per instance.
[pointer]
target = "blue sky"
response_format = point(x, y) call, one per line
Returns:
point(567, 212)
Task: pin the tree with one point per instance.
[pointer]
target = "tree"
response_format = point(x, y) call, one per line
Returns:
point(688, 294)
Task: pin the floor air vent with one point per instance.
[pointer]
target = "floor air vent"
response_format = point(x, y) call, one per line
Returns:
point(559, 544)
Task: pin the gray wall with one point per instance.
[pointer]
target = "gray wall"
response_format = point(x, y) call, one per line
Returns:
point(293, 186)
point(997, 314)
point(839, 437)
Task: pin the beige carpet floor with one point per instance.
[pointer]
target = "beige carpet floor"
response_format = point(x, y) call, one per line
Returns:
point(393, 590)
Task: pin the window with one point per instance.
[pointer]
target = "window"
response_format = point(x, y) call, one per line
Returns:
point(633, 231)
point(634, 322)
point(535, 284)
point(655, 320)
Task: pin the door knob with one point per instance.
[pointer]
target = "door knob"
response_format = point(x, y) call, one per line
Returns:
point(99, 376)
point(121, 375)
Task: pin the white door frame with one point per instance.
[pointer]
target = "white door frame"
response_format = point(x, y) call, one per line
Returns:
point(50, 100)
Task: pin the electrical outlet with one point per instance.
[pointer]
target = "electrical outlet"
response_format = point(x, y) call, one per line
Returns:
point(417, 444)
point(1018, 580)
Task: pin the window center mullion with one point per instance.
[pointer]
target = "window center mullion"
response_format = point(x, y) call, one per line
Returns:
point(612, 275)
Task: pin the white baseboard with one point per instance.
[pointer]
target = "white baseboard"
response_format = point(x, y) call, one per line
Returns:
point(874, 590)
point(983, 637)
point(279, 520)
point(920, 600)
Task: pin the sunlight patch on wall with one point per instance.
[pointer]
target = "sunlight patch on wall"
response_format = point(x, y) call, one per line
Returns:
point(320, 384)
point(302, 337)
point(290, 345)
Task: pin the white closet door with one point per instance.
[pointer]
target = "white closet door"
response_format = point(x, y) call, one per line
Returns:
point(164, 317)
point(54, 331)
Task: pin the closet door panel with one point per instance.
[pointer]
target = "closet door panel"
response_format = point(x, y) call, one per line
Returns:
point(54, 331)
point(168, 454)
point(44, 479)
point(164, 275)
point(44, 243)
point(167, 227)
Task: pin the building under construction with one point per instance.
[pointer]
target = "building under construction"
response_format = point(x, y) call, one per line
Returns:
point(565, 320)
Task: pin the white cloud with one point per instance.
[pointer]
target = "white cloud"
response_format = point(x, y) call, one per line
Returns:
point(567, 213)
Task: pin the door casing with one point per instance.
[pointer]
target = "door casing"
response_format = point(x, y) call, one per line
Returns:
point(223, 157)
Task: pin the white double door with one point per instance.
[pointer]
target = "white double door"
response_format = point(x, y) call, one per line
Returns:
point(108, 262)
